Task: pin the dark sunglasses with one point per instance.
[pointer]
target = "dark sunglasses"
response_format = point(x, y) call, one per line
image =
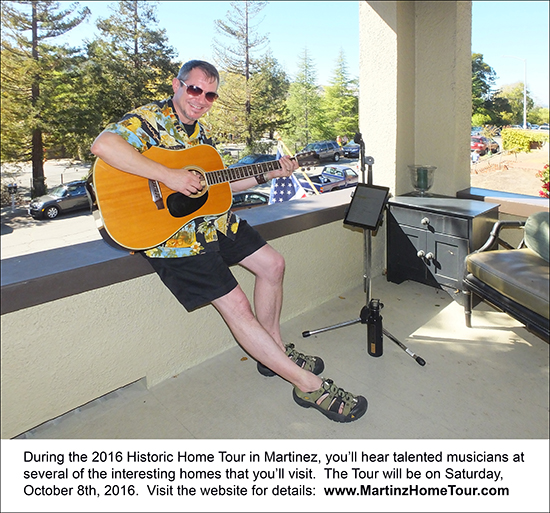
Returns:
point(197, 91)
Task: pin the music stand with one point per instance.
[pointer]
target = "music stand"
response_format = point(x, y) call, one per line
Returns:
point(366, 211)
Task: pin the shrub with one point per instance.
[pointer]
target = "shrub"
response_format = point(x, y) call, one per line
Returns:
point(521, 140)
point(544, 176)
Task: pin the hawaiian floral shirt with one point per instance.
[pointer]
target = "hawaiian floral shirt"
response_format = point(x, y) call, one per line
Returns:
point(157, 124)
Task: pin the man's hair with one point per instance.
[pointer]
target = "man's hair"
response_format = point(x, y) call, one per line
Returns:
point(209, 70)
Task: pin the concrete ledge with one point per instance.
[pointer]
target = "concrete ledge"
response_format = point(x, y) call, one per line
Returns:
point(38, 278)
point(520, 205)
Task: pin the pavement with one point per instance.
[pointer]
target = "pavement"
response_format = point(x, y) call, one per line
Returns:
point(21, 234)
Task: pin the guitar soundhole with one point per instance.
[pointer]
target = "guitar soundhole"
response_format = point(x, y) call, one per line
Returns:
point(180, 205)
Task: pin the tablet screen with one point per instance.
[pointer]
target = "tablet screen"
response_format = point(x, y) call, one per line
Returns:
point(367, 206)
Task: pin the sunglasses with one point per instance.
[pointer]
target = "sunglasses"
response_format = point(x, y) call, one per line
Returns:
point(197, 91)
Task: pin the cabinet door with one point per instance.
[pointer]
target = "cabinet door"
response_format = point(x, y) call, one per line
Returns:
point(449, 254)
point(404, 242)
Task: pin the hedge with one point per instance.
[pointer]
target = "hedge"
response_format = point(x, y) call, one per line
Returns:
point(522, 140)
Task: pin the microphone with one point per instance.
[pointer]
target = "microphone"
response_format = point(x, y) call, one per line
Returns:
point(358, 138)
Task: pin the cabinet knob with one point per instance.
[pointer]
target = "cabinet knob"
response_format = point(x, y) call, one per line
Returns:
point(425, 221)
point(430, 256)
point(420, 254)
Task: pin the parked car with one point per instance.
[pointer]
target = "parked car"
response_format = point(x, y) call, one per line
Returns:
point(332, 178)
point(493, 146)
point(476, 130)
point(351, 150)
point(254, 158)
point(61, 199)
point(544, 126)
point(325, 150)
point(249, 199)
point(483, 145)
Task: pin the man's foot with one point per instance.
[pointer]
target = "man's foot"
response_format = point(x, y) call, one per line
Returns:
point(311, 363)
point(333, 402)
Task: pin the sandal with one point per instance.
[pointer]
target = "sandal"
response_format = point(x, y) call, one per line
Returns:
point(311, 363)
point(333, 402)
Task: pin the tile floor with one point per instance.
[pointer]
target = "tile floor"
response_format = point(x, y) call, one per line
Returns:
point(487, 382)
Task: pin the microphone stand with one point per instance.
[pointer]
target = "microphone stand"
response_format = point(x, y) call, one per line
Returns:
point(370, 313)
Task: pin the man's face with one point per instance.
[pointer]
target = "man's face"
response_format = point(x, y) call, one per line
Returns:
point(190, 108)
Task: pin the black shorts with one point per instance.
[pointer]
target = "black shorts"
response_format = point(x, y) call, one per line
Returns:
point(198, 280)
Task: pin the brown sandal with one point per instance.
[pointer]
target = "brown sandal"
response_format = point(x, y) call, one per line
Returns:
point(333, 402)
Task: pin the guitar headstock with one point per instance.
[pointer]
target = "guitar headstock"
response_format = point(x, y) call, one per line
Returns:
point(308, 158)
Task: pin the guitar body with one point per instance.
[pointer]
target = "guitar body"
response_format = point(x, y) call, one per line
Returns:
point(129, 214)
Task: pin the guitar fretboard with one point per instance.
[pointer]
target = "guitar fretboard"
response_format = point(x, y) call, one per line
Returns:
point(238, 173)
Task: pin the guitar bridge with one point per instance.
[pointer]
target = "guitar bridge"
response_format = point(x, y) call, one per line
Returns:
point(156, 194)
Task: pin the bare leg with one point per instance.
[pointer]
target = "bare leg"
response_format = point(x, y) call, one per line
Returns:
point(261, 345)
point(268, 266)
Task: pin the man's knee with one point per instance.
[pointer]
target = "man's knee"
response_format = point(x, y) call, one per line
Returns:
point(267, 263)
point(274, 269)
point(278, 266)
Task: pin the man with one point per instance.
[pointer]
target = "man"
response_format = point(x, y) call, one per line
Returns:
point(194, 263)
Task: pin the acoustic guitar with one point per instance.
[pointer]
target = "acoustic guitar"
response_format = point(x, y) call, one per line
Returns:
point(137, 214)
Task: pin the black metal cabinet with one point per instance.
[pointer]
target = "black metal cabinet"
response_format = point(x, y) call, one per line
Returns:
point(429, 238)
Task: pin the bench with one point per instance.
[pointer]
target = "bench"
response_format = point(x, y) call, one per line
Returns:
point(515, 281)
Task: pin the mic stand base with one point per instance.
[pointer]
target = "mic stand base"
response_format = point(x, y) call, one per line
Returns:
point(364, 320)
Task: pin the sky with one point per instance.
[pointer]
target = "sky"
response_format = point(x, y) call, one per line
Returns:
point(503, 32)
point(506, 32)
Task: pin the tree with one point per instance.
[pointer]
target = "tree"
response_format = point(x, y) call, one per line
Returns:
point(304, 105)
point(238, 59)
point(227, 118)
point(513, 94)
point(269, 85)
point(341, 103)
point(538, 115)
point(483, 79)
point(130, 64)
point(488, 107)
point(27, 26)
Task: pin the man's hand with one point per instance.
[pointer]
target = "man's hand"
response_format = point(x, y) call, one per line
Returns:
point(184, 181)
point(288, 167)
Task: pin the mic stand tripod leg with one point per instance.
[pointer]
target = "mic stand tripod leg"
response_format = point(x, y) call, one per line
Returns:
point(414, 356)
point(333, 327)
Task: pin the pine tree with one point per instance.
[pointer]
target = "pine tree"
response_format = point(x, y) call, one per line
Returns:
point(304, 105)
point(130, 63)
point(341, 103)
point(238, 59)
point(269, 86)
point(27, 25)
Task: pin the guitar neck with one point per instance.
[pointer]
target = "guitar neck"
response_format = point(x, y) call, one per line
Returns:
point(238, 173)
